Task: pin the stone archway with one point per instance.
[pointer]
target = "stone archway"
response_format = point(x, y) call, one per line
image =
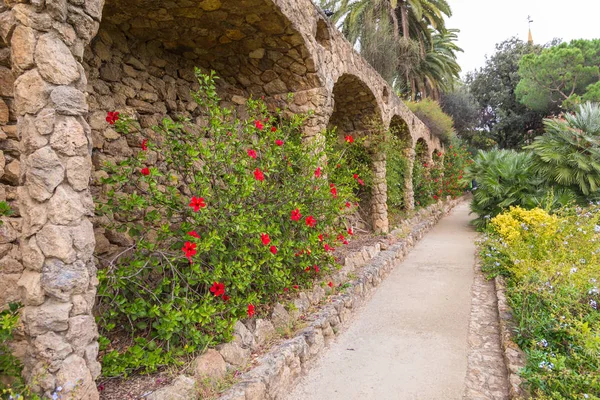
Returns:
point(400, 129)
point(58, 78)
point(356, 113)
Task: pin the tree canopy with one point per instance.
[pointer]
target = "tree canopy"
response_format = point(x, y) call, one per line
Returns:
point(503, 118)
point(556, 78)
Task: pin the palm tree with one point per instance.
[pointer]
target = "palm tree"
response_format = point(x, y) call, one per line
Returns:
point(438, 70)
point(568, 153)
point(409, 61)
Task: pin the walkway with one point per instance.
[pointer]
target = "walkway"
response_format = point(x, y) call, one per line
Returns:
point(411, 340)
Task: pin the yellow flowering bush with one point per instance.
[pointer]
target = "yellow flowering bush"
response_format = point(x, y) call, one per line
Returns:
point(552, 266)
point(518, 223)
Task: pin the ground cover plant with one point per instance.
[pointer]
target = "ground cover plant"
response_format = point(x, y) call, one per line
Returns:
point(232, 215)
point(551, 263)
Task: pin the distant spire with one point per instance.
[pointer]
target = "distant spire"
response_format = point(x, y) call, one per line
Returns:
point(530, 37)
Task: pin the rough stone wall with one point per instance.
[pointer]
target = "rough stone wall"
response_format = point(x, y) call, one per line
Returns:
point(57, 284)
point(11, 266)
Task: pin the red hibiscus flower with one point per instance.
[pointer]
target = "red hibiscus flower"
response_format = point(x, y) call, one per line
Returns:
point(194, 234)
point(348, 204)
point(360, 182)
point(265, 238)
point(435, 197)
point(285, 289)
point(273, 249)
point(307, 269)
point(328, 247)
point(279, 142)
point(197, 203)
point(258, 125)
point(349, 139)
point(189, 250)
point(225, 297)
point(145, 171)
point(112, 117)
point(310, 221)
point(145, 144)
point(252, 153)
point(258, 175)
point(250, 310)
point(350, 231)
point(330, 284)
point(296, 215)
point(273, 129)
point(316, 268)
point(217, 289)
point(318, 172)
point(321, 237)
point(333, 190)
point(296, 287)
point(341, 237)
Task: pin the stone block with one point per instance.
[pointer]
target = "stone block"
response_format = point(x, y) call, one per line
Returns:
point(31, 92)
point(210, 365)
point(55, 62)
point(234, 354)
point(50, 316)
point(182, 388)
point(263, 332)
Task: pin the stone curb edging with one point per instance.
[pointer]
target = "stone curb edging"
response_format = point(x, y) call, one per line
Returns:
point(514, 357)
point(283, 365)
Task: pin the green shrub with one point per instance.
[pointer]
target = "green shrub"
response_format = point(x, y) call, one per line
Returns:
point(396, 166)
point(439, 123)
point(506, 178)
point(568, 153)
point(232, 214)
point(551, 264)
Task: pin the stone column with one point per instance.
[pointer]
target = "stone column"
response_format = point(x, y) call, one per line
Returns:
point(379, 199)
point(409, 193)
point(58, 285)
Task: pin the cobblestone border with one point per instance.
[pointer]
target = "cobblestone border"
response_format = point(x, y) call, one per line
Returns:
point(487, 375)
point(283, 365)
point(514, 357)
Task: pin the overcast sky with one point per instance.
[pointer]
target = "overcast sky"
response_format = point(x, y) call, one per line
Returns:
point(483, 23)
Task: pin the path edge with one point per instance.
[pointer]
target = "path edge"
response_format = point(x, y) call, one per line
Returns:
point(514, 357)
point(282, 367)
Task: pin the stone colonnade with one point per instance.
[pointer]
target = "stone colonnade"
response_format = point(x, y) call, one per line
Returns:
point(65, 63)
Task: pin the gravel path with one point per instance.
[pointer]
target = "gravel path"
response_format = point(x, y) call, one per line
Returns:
point(411, 340)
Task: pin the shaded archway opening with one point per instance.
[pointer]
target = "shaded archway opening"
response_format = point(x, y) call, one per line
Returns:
point(437, 156)
point(399, 169)
point(357, 120)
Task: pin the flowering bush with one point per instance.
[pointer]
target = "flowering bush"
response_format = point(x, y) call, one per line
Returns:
point(230, 216)
point(551, 264)
point(456, 160)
